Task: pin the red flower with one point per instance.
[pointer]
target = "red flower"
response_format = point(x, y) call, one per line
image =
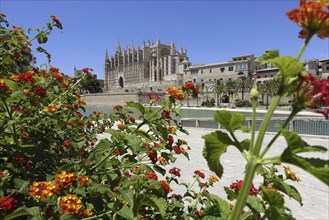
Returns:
point(166, 115)
point(40, 91)
point(313, 17)
point(153, 96)
point(132, 119)
point(152, 176)
point(54, 69)
point(165, 185)
point(117, 107)
point(15, 108)
point(176, 93)
point(177, 150)
point(8, 203)
point(236, 186)
point(313, 92)
point(67, 143)
point(170, 140)
point(57, 22)
point(27, 77)
point(153, 157)
point(199, 173)
point(175, 171)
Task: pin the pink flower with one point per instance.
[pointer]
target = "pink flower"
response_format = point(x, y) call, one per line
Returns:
point(313, 92)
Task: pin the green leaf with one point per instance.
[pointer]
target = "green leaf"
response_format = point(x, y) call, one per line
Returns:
point(67, 216)
point(137, 106)
point(272, 197)
point(315, 166)
point(104, 145)
point(158, 203)
point(231, 121)
point(133, 142)
point(42, 38)
point(159, 169)
point(126, 212)
point(291, 191)
point(213, 150)
point(255, 203)
point(163, 131)
point(278, 213)
point(21, 185)
point(33, 211)
point(231, 195)
point(270, 54)
point(128, 196)
point(12, 85)
point(219, 210)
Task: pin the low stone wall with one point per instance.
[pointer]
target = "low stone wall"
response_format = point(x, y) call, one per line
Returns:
point(110, 99)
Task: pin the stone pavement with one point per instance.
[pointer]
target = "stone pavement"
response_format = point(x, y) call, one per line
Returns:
point(315, 194)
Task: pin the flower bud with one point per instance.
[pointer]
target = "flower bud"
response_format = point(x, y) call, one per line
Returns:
point(254, 93)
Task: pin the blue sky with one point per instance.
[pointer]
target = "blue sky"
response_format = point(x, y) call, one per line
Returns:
point(212, 31)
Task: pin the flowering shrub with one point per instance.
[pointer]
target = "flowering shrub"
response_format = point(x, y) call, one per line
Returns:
point(52, 166)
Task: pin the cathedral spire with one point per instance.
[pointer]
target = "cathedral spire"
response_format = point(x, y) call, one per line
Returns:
point(143, 44)
point(158, 41)
point(132, 45)
point(106, 55)
point(118, 47)
point(173, 48)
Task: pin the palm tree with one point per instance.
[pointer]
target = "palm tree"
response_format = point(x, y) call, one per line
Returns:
point(231, 89)
point(245, 84)
point(218, 88)
point(268, 88)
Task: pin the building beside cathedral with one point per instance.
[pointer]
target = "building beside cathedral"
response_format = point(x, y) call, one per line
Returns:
point(153, 65)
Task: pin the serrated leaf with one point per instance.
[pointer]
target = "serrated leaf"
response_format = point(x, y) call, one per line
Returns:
point(213, 150)
point(133, 142)
point(315, 166)
point(67, 216)
point(231, 195)
point(158, 203)
point(219, 210)
point(137, 106)
point(255, 203)
point(278, 213)
point(163, 131)
point(291, 191)
point(231, 121)
point(22, 211)
point(126, 212)
point(128, 196)
point(272, 197)
point(21, 185)
point(103, 145)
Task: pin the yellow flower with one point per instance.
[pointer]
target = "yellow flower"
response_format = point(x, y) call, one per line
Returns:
point(42, 189)
point(213, 179)
point(291, 175)
point(51, 108)
point(163, 161)
point(71, 204)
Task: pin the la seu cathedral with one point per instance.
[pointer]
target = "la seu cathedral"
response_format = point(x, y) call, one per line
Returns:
point(149, 67)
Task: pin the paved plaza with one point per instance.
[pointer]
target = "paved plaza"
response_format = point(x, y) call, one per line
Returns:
point(315, 194)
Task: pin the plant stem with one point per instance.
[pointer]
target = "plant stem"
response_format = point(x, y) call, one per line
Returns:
point(244, 191)
point(302, 49)
point(275, 101)
point(291, 116)
point(253, 124)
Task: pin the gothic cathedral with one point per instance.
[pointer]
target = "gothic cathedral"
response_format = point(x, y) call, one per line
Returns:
point(154, 64)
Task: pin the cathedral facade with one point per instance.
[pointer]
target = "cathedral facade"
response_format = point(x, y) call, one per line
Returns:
point(152, 64)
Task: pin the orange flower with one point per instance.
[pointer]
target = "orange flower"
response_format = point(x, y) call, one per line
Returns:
point(291, 175)
point(152, 176)
point(120, 126)
point(71, 204)
point(54, 69)
point(3, 85)
point(313, 17)
point(64, 178)
point(84, 180)
point(165, 185)
point(163, 161)
point(14, 78)
point(213, 179)
point(80, 101)
point(57, 22)
point(87, 212)
point(117, 107)
point(176, 93)
point(58, 76)
point(65, 85)
point(42, 189)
